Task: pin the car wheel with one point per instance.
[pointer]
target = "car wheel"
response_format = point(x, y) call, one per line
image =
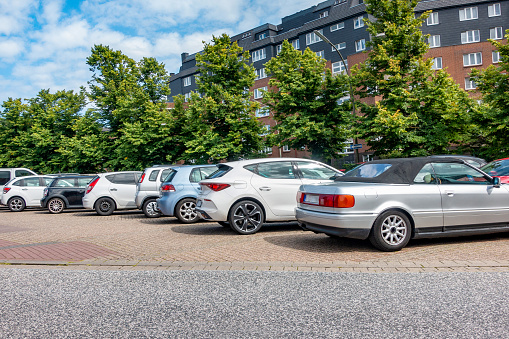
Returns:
point(56, 205)
point(150, 209)
point(391, 231)
point(16, 204)
point(225, 224)
point(185, 211)
point(246, 217)
point(105, 206)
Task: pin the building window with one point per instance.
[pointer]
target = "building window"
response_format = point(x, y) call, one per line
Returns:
point(348, 147)
point(472, 59)
point(187, 81)
point(296, 44)
point(258, 93)
point(324, 14)
point(312, 38)
point(367, 157)
point(339, 67)
point(358, 22)
point(337, 26)
point(258, 55)
point(286, 148)
point(262, 112)
point(321, 54)
point(246, 35)
point(260, 74)
point(432, 19)
point(470, 36)
point(341, 45)
point(262, 36)
point(360, 45)
point(494, 10)
point(495, 56)
point(437, 63)
point(470, 84)
point(469, 13)
point(187, 96)
point(496, 33)
point(278, 49)
point(434, 41)
point(343, 99)
point(337, 2)
point(267, 150)
point(267, 130)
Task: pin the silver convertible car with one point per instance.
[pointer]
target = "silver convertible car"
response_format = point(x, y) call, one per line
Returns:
point(392, 201)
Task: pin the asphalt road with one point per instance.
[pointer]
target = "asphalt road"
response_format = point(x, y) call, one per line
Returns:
point(55, 303)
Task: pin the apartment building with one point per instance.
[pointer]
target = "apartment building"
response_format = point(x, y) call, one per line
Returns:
point(458, 31)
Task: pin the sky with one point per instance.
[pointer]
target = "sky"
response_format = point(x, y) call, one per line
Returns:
point(44, 43)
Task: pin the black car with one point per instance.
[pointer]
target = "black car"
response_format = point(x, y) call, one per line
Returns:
point(65, 192)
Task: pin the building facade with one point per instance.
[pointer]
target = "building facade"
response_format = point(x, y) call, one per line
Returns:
point(458, 32)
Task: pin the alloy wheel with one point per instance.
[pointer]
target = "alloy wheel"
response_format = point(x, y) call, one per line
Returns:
point(394, 230)
point(16, 204)
point(187, 211)
point(247, 217)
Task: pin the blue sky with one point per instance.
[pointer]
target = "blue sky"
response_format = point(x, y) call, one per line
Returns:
point(44, 44)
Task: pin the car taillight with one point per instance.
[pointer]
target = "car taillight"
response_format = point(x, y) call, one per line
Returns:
point(167, 188)
point(45, 192)
point(216, 187)
point(6, 189)
point(142, 177)
point(327, 200)
point(92, 185)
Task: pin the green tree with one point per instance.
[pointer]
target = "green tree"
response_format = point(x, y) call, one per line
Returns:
point(303, 97)
point(222, 118)
point(418, 111)
point(493, 83)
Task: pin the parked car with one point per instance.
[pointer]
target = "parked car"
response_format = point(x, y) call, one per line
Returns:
point(7, 174)
point(147, 189)
point(65, 192)
point(391, 201)
point(22, 192)
point(180, 189)
point(246, 194)
point(474, 161)
point(108, 192)
point(498, 168)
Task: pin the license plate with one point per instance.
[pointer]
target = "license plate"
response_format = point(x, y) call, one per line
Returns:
point(311, 199)
point(198, 203)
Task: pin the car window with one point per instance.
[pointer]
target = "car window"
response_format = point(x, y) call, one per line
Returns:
point(195, 175)
point(17, 183)
point(5, 176)
point(368, 170)
point(22, 173)
point(153, 175)
point(64, 183)
point(276, 170)
point(455, 173)
point(206, 171)
point(221, 171)
point(125, 179)
point(31, 182)
point(497, 168)
point(48, 181)
point(83, 182)
point(165, 174)
point(426, 175)
point(251, 168)
point(311, 170)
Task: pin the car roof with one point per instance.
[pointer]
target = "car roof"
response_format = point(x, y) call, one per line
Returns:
point(402, 170)
point(260, 160)
point(108, 173)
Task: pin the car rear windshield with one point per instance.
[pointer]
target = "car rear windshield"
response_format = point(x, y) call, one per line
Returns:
point(368, 170)
point(497, 167)
point(169, 176)
point(221, 170)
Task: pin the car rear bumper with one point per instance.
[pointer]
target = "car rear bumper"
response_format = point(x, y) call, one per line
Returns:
point(166, 206)
point(209, 211)
point(355, 226)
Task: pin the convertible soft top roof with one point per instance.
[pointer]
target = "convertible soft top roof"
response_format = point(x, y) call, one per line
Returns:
point(402, 170)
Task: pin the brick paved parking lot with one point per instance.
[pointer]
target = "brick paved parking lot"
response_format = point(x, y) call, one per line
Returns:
point(129, 240)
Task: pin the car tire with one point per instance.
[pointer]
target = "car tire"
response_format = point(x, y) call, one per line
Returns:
point(246, 217)
point(225, 224)
point(391, 231)
point(149, 209)
point(56, 205)
point(104, 206)
point(16, 204)
point(185, 211)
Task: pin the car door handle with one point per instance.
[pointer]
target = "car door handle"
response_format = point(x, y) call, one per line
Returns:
point(24, 189)
point(113, 189)
point(265, 188)
point(449, 193)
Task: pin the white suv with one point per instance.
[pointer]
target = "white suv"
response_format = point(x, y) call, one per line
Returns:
point(245, 194)
point(111, 191)
point(25, 192)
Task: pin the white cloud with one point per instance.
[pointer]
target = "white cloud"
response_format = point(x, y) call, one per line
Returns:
point(14, 15)
point(10, 48)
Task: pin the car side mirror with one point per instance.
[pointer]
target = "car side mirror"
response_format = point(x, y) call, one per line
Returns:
point(496, 181)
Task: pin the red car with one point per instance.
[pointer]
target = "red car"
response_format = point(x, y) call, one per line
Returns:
point(498, 168)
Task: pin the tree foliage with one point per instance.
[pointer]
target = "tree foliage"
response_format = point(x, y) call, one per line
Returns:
point(303, 97)
point(418, 111)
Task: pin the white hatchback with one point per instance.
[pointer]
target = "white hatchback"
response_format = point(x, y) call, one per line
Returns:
point(245, 194)
point(25, 192)
point(111, 191)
